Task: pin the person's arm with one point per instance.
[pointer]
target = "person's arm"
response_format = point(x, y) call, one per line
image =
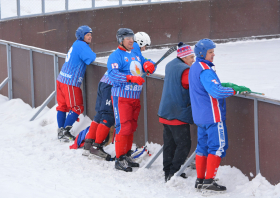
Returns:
point(114, 74)
point(87, 55)
point(213, 87)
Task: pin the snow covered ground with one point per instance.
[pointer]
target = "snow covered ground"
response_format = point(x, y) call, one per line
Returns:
point(252, 63)
point(35, 164)
point(28, 7)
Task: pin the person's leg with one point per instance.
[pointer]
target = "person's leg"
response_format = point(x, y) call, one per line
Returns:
point(62, 106)
point(217, 145)
point(182, 139)
point(74, 101)
point(169, 147)
point(106, 111)
point(201, 155)
point(123, 114)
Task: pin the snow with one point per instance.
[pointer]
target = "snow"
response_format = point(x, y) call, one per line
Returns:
point(28, 7)
point(252, 63)
point(35, 164)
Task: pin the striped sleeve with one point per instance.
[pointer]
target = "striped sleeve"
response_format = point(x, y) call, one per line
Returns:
point(116, 76)
point(212, 85)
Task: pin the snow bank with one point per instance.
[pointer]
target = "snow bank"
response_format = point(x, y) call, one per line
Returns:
point(35, 164)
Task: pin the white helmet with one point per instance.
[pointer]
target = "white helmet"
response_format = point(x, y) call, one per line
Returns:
point(143, 39)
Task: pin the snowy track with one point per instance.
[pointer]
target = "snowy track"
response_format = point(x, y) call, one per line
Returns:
point(35, 164)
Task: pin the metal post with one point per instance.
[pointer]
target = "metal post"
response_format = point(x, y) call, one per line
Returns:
point(32, 78)
point(186, 164)
point(0, 10)
point(66, 5)
point(93, 4)
point(9, 69)
point(151, 161)
point(256, 127)
point(145, 111)
point(43, 6)
point(45, 103)
point(18, 8)
point(55, 59)
point(84, 96)
point(120, 2)
point(149, 1)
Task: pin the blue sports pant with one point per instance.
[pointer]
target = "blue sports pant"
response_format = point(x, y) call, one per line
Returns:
point(104, 106)
point(212, 138)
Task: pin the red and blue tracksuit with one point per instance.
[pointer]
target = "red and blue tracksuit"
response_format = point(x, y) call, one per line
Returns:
point(209, 108)
point(69, 94)
point(209, 114)
point(125, 95)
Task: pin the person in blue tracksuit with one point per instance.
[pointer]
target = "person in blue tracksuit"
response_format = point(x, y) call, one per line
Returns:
point(69, 80)
point(125, 69)
point(209, 113)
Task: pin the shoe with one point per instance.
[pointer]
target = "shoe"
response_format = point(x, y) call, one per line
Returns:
point(87, 145)
point(97, 150)
point(60, 133)
point(210, 185)
point(198, 183)
point(183, 175)
point(122, 164)
point(68, 134)
point(130, 160)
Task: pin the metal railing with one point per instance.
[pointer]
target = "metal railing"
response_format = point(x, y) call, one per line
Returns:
point(94, 5)
point(9, 66)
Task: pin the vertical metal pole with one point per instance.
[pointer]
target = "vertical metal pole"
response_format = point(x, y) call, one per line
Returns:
point(256, 127)
point(93, 4)
point(43, 7)
point(120, 2)
point(84, 96)
point(149, 1)
point(32, 78)
point(55, 68)
point(66, 5)
point(18, 8)
point(0, 10)
point(9, 67)
point(145, 111)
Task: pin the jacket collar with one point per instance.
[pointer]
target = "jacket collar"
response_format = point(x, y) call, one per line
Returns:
point(205, 61)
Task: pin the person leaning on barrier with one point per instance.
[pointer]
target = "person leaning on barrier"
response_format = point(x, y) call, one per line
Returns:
point(175, 111)
point(209, 113)
point(69, 80)
point(124, 70)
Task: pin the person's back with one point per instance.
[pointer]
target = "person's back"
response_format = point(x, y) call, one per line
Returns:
point(79, 56)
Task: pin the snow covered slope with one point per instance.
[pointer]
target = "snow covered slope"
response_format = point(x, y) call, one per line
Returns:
point(254, 63)
point(35, 164)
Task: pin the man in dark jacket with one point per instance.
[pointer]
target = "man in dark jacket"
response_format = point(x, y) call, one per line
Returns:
point(175, 111)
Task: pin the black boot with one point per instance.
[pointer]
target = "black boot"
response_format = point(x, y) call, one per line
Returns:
point(97, 150)
point(198, 183)
point(122, 164)
point(183, 175)
point(130, 160)
point(211, 186)
point(87, 145)
point(68, 134)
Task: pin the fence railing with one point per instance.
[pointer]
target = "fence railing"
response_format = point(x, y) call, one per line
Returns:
point(24, 10)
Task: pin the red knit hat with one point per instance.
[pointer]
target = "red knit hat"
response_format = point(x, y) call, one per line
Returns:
point(184, 50)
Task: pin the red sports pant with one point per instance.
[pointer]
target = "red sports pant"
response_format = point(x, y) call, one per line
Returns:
point(69, 98)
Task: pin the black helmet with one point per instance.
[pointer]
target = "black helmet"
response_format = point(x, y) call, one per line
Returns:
point(124, 32)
